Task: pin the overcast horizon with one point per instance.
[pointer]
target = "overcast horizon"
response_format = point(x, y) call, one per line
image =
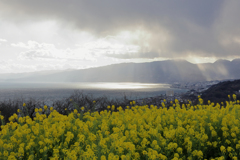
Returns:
point(60, 35)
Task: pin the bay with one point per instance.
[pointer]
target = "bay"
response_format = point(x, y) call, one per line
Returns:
point(49, 92)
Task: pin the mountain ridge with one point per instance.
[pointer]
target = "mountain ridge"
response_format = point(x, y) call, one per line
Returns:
point(167, 71)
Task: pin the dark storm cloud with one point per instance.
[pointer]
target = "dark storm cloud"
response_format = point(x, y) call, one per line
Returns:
point(193, 26)
point(108, 15)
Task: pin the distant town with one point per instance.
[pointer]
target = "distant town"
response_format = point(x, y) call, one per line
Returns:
point(193, 90)
point(197, 86)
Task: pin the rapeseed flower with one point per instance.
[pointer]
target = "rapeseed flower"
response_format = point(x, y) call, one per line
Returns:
point(223, 149)
point(45, 107)
point(138, 132)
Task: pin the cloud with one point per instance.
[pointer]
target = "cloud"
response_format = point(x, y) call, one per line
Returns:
point(33, 45)
point(9, 66)
point(3, 40)
point(36, 50)
point(19, 67)
point(107, 15)
point(45, 51)
point(167, 29)
point(110, 45)
point(36, 54)
point(144, 55)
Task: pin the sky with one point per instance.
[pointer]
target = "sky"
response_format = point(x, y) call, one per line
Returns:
point(77, 34)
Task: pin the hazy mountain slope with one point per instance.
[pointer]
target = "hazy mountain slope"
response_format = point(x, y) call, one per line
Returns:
point(4, 76)
point(152, 72)
point(221, 69)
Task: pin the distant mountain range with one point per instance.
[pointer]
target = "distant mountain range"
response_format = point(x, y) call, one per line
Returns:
point(153, 72)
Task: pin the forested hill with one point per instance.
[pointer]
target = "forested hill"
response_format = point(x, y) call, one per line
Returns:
point(219, 92)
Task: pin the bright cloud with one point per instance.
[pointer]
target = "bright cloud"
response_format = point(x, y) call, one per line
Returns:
point(33, 45)
point(3, 40)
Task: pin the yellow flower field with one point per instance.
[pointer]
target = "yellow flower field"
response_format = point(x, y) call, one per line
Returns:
point(138, 132)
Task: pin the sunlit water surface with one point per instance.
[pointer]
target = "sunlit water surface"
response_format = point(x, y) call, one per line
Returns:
point(49, 92)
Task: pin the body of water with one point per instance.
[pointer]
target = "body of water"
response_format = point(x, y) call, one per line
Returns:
point(49, 92)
